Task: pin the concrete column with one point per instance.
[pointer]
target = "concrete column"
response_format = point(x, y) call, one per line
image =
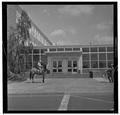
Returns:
point(32, 58)
point(64, 65)
point(49, 65)
point(80, 64)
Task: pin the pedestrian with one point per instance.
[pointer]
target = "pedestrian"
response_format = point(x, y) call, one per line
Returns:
point(91, 74)
point(39, 65)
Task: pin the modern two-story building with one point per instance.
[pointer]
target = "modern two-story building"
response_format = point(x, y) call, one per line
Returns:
point(63, 59)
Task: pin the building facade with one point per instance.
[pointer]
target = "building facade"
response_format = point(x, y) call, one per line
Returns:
point(79, 58)
point(74, 59)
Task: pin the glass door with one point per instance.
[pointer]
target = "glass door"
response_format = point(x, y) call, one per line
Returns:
point(54, 66)
point(59, 66)
point(75, 66)
point(69, 66)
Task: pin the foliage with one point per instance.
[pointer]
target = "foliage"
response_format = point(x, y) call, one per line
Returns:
point(17, 42)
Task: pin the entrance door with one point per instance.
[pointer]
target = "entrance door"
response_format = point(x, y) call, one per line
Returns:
point(57, 66)
point(54, 66)
point(74, 70)
point(72, 66)
point(69, 66)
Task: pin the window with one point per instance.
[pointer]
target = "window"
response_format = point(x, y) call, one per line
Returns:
point(85, 49)
point(69, 63)
point(42, 50)
point(109, 49)
point(59, 70)
point(52, 49)
point(102, 64)
point(102, 56)
point(45, 50)
point(93, 49)
point(102, 49)
point(36, 51)
point(60, 49)
point(76, 49)
point(109, 63)
point(86, 64)
point(29, 58)
point(54, 64)
point(110, 56)
point(85, 57)
point(30, 51)
point(94, 56)
point(94, 64)
point(54, 70)
point(28, 61)
point(35, 60)
point(68, 49)
point(59, 63)
point(69, 70)
point(74, 70)
point(74, 63)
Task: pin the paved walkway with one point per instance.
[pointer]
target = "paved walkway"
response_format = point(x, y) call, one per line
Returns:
point(101, 79)
point(59, 85)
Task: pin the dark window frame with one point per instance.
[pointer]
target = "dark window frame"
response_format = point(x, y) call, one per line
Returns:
point(60, 49)
point(54, 70)
point(85, 49)
point(36, 51)
point(101, 49)
point(92, 66)
point(101, 56)
point(93, 49)
point(101, 63)
point(68, 49)
point(88, 66)
point(69, 70)
point(76, 49)
point(110, 49)
point(93, 56)
point(52, 49)
point(110, 57)
point(84, 57)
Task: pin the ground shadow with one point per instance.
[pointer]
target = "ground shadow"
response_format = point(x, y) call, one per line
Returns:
point(34, 82)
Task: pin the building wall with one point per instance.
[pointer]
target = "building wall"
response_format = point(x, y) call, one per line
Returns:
point(64, 57)
point(100, 58)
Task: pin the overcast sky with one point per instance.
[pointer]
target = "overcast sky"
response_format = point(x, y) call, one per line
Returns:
point(74, 24)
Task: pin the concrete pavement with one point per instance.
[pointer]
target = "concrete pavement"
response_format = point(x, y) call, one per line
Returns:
point(58, 85)
point(60, 94)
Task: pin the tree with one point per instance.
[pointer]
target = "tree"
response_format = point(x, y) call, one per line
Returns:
point(23, 26)
point(17, 42)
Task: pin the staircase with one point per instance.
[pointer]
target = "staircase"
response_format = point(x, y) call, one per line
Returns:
point(66, 75)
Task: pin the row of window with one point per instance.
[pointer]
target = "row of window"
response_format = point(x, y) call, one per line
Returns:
point(60, 70)
point(35, 51)
point(97, 64)
point(59, 64)
point(98, 49)
point(66, 49)
point(93, 49)
point(95, 56)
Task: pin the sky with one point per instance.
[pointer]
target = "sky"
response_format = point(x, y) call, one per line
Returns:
point(74, 24)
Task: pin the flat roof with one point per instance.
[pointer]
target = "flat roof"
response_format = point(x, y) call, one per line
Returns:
point(75, 46)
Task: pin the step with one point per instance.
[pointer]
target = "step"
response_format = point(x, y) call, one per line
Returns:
point(66, 75)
